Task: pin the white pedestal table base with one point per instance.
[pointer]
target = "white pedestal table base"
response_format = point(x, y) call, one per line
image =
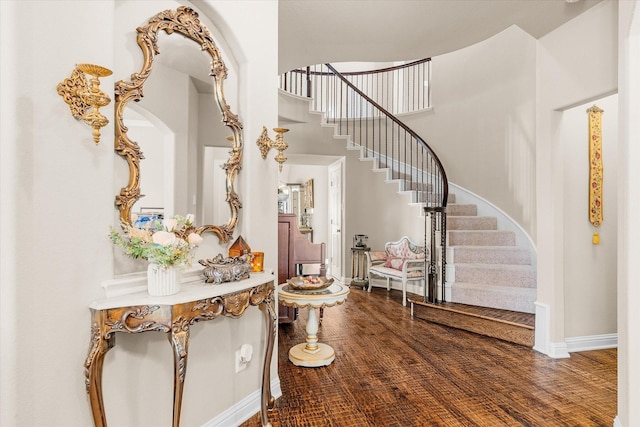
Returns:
point(312, 354)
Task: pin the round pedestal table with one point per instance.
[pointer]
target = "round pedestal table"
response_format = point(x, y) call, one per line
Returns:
point(311, 353)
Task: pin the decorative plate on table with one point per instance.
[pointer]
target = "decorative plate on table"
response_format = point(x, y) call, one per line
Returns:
point(309, 283)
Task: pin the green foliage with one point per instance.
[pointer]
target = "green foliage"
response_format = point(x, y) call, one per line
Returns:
point(162, 247)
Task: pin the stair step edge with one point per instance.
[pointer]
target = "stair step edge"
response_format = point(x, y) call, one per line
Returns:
point(515, 290)
point(501, 298)
point(490, 248)
point(469, 217)
point(492, 328)
point(487, 266)
point(476, 315)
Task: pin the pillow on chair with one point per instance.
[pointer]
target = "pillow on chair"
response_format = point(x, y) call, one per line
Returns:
point(401, 250)
point(394, 262)
point(377, 256)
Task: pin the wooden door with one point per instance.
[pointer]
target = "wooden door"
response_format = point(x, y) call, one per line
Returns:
point(286, 268)
point(335, 219)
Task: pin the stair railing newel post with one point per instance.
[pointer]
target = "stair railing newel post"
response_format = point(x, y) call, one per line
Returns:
point(430, 243)
point(433, 212)
point(443, 244)
point(427, 264)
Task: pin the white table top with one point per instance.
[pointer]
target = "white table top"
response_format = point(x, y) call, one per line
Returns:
point(334, 294)
point(190, 292)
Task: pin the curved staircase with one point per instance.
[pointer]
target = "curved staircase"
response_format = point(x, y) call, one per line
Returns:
point(490, 283)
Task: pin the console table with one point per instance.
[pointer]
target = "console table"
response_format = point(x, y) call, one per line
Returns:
point(312, 353)
point(174, 315)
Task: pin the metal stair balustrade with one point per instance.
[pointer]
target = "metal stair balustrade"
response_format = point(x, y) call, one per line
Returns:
point(383, 137)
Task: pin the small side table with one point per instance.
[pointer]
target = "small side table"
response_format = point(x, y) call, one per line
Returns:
point(311, 353)
point(359, 266)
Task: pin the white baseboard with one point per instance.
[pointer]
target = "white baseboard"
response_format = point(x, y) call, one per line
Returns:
point(616, 422)
point(541, 330)
point(570, 345)
point(543, 344)
point(558, 350)
point(244, 409)
point(592, 342)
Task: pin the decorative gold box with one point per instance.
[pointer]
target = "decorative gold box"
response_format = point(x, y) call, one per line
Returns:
point(220, 269)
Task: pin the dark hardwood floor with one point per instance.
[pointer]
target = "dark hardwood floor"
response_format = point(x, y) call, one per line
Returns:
point(392, 370)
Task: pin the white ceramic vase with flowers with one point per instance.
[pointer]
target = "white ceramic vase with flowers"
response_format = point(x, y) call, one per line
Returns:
point(168, 246)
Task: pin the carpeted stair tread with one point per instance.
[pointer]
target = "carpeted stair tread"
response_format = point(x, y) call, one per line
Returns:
point(522, 276)
point(460, 209)
point(489, 255)
point(481, 238)
point(501, 297)
point(472, 222)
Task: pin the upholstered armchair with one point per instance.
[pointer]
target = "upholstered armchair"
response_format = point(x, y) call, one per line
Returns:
point(402, 260)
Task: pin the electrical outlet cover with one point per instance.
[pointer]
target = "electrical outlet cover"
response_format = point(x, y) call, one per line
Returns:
point(240, 364)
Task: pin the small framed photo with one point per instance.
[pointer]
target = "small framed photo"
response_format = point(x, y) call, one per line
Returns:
point(149, 218)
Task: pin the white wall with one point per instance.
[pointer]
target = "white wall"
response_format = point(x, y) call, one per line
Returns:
point(566, 77)
point(482, 126)
point(374, 207)
point(57, 203)
point(55, 251)
point(589, 270)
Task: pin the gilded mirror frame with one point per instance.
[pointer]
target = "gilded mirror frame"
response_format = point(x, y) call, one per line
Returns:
point(184, 21)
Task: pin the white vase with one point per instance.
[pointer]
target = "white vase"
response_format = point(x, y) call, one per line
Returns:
point(163, 281)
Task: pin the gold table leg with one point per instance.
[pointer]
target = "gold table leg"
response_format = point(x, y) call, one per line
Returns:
point(180, 343)
point(268, 402)
point(98, 347)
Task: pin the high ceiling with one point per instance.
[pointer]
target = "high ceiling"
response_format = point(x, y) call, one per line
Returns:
point(318, 31)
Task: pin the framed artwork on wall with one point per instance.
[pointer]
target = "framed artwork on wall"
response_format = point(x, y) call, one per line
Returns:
point(308, 192)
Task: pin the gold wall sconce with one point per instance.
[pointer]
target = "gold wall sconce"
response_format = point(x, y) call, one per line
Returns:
point(265, 144)
point(85, 97)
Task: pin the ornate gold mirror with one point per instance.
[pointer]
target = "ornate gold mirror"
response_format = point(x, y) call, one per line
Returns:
point(185, 22)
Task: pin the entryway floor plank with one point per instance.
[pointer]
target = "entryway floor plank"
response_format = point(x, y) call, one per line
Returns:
point(395, 370)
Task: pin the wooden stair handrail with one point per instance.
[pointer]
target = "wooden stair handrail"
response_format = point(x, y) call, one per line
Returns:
point(445, 182)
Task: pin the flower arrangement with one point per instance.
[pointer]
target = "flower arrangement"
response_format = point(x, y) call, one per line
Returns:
point(169, 243)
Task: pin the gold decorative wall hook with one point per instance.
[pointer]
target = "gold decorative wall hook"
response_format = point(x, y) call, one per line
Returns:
point(265, 144)
point(85, 97)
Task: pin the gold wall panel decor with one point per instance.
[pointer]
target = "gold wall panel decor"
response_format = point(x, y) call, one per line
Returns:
point(183, 21)
point(595, 170)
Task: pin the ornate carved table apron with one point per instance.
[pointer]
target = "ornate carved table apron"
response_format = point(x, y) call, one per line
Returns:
point(141, 312)
point(312, 353)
